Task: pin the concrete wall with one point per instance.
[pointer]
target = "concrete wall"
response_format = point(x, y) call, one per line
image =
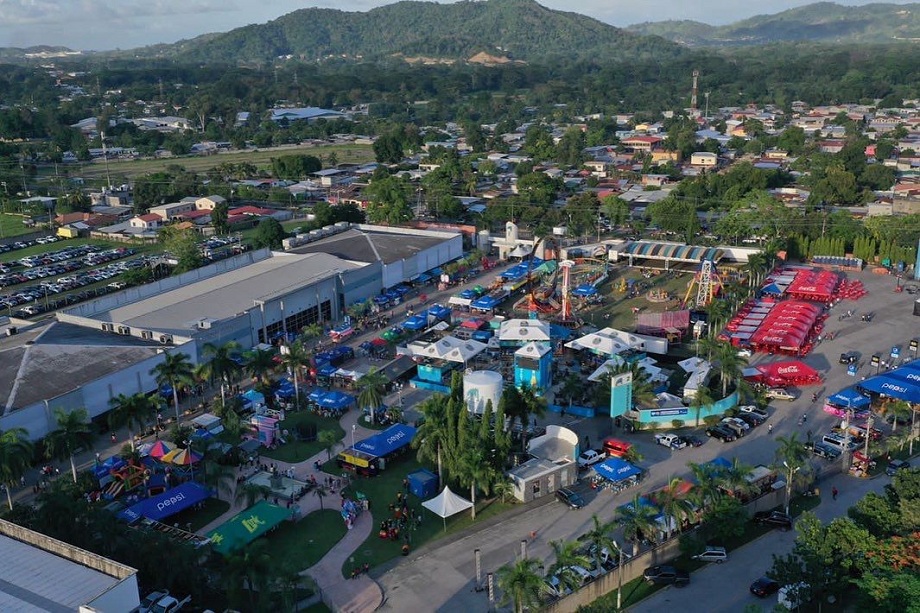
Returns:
point(662, 418)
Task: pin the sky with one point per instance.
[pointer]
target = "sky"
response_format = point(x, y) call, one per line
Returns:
point(126, 24)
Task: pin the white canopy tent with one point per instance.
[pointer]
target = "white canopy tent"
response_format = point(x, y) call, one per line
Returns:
point(599, 343)
point(526, 330)
point(447, 504)
point(449, 348)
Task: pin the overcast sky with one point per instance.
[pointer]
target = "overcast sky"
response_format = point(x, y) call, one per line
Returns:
point(125, 24)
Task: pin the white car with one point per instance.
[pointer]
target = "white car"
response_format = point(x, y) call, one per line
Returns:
point(670, 440)
point(778, 393)
point(744, 353)
point(712, 554)
point(739, 422)
point(589, 458)
point(754, 410)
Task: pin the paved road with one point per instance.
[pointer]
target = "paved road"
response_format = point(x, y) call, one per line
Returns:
point(412, 585)
point(724, 587)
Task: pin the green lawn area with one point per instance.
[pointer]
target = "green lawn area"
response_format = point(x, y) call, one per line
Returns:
point(300, 545)
point(298, 451)
point(352, 154)
point(381, 492)
point(213, 508)
point(619, 306)
point(11, 225)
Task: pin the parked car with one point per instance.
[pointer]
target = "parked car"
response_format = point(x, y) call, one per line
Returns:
point(693, 440)
point(712, 554)
point(555, 588)
point(825, 451)
point(168, 604)
point(744, 352)
point(774, 519)
point(666, 575)
point(895, 465)
point(670, 440)
point(750, 419)
point(151, 599)
point(764, 586)
point(581, 575)
point(570, 498)
point(723, 434)
point(850, 357)
point(752, 409)
point(739, 424)
point(589, 458)
point(778, 393)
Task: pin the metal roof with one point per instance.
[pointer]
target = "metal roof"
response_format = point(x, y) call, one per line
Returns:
point(372, 246)
point(672, 251)
point(228, 294)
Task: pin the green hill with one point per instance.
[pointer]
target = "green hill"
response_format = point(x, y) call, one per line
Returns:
point(514, 29)
point(821, 22)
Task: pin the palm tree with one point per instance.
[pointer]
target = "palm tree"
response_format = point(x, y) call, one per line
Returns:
point(521, 584)
point(370, 391)
point(175, 371)
point(638, 520)
point(220, 364)
point(328, 439)
point(599, 538)
point(675, 506)
point(702, 398)
point(73, 433)
point(260, 363)
point(249, 493)
point(319, 490)
point(896, 410)
point(567, 555)
point(311, 332)
point(707, 488)
point(131, 411)
point(791, 450)
point(756, 266)
point(15, 458)
point(295, 357)
point(476, 472)
point(219, 477)
point(730, 365)
point(734, 478)
point(433, 433)
point(503, 488)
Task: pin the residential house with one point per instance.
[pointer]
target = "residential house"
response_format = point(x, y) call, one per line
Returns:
point(149, 222)
point(831, 146)
point(704, 159)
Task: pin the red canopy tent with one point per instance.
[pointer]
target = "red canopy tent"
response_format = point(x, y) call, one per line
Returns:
point(787, 328)
point(815, 285)
point(787, 373)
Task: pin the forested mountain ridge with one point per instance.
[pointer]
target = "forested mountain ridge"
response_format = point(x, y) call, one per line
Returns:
point(819, 22)
point(515, 29)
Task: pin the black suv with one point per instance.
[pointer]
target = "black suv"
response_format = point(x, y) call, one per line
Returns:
point(850, 357)
point(774, 519)
point(723, 434)
point(570, 498)
point(666, 575)
point(750, 419)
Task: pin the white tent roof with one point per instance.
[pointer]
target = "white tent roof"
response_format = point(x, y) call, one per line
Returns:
point(519, 252)
point(598, 342)
point(524, 330)
point(646, 364)
point(465, 352)
point(447, 503)
point(694, 364)
point(533, 350)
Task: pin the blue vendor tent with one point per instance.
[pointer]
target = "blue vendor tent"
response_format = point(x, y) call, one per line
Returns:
point(849, 398)
point(386, 442)
point(166, 504)
point(616, 469)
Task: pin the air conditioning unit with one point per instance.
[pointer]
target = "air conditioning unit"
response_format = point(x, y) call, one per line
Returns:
point(204, 324)
point(166, 339)
point(147, 335)
point(124, 330)
point(108, 327)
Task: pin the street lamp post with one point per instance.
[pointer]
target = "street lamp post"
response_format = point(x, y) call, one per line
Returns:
point(620, 578)
point(353, 428)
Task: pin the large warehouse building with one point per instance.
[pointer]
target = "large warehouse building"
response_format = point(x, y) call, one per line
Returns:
point(99, 349)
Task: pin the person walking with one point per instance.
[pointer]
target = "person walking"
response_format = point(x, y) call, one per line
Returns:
point(834, 492)
point(770, 428)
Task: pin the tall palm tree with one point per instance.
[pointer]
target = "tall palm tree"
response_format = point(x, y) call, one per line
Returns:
point(756, 266)
point(260, 363)
point(221, 365)
point(319, 490)
point(702, 398)
point(730, 365)
point(310, 333)
point(433, 433)
point(674, 505)
point(218, 477)
point(294, 357)
point(503, 488)
point(638, 521)
point(328, 439)
point(521, 584)
point(73, 433)
point(176, 371)
point(734, 478)
point(15, 458)
point(370, 392)
point(566, 555)
point(791, 450)
point(476, 472)
point(707, 488)
point(896, 410)
point(132, 411)
point(599, 539)
point(248, 493)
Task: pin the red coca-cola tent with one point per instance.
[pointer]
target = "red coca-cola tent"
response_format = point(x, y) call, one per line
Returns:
point(814, 285)
point(788, 328)
point(787, 373)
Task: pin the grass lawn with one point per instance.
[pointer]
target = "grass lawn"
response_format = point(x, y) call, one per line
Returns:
point(619, 306)
point(298, 451)
point(381, 491)
point(213, 508)
point(355, 154)
point(11, 225)
point(300, 545)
